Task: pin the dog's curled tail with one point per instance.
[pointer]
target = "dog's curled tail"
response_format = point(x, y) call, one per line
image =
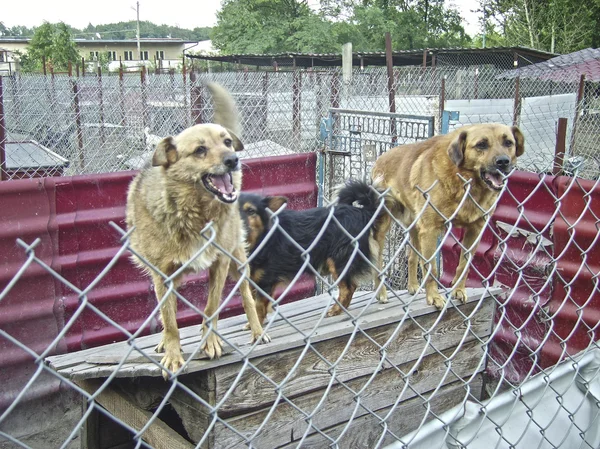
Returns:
point(360, 194)
point(226, 113)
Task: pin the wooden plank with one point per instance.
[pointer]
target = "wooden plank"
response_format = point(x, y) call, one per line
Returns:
point(158, 434)
point(362, 356)
point(330, 328)
point(341, 403)
point(376, 315)
point(367, 431)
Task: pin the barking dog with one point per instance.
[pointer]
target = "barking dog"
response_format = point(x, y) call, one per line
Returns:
point(194, 179)
point(280, 259)
point(482, 154)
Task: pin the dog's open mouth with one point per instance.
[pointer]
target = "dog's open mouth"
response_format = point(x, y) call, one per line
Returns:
point(494, 178)
point(221, 186)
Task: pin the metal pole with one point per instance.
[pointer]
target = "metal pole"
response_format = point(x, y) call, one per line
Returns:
point(296, 86)
point(137, 9)
point(389, 61)
point(3, 172)
point(442, 104)
point(578, 109)
point(561, 145)
point(78, 124)
point(517, 102)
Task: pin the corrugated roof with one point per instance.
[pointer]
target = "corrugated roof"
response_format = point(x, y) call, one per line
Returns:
point(566, 68)
point(501, 56)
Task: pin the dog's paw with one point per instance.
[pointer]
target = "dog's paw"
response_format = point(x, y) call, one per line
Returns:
point(460, 294)
point(335, 310)
point(382, 296)
point(436, 300)
point(172, 361)
point(160, 348)
point(261, 337)
point(413, 289)
point(213, 346)
point(247, 326)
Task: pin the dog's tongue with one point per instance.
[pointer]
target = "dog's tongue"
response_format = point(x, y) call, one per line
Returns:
point(223, 183)
point(495, 178)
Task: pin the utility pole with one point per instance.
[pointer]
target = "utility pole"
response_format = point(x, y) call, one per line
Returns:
point(137, 10)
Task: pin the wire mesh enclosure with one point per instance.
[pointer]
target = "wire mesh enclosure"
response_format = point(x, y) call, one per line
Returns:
point(513, 364)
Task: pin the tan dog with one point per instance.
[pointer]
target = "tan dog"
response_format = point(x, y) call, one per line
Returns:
point(194, 179)
point(484, 154)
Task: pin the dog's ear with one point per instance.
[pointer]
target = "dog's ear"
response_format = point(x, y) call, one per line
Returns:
point(456, 150)
point(519, 140)
point(237, 143)
point(275, 202)
point(165, 153)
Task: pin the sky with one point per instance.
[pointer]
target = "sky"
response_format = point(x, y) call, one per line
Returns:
point(183, 13)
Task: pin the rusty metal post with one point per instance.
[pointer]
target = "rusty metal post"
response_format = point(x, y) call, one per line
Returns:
point(578, 109)
point(44, 65)
point(3, 136)
point(424, 58)
point(517, 102)
point(144, 96)
point(122, 95)
point(70, 69)
point(77, 111)
point(265, 95)
point(389, 62)
point(82, 66)
point(101, 106)
point(196, 99)
point(442, 103)
point(296, 119)
point(561, 145)
point(77, 70)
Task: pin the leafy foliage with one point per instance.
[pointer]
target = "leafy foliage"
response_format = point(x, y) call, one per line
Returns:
point(53, 42)
point(272, 26)
point(560, 26)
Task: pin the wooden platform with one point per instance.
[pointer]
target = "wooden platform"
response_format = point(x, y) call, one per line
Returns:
point(338, 356)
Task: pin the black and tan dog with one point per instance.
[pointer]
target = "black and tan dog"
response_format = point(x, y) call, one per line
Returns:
point(194, 179)
point(279, 258)
point(481, 155)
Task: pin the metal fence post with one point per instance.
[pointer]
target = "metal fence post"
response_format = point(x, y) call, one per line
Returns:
point(389, 62)
point(101, 106)
point(296, 86)
point(560, 148)
point(78, 124)
point(517, 102)
point(3, 172)
point(144, 96)
point(121, 95)
point(442, 106)
point(578, 110)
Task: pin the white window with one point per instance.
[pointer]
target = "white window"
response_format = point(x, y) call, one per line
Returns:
point(145, 55)
point(112, 55)
point(160, 54)
point(128, 55)
point(3, 57)
point(93, 55)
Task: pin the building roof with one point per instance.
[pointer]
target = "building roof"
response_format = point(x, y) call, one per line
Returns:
point(29, 154)
point(499, 56)
point(566, 68)
point(144, 40)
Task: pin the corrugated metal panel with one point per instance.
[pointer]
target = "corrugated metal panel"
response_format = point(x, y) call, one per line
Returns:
point(71, 216)
point(520, 265)
point(575, 303)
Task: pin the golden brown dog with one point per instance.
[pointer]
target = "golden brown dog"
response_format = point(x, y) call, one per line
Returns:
point(194, 179)
point(483, 154)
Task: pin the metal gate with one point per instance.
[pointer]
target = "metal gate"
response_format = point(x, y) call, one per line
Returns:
point(352, 142)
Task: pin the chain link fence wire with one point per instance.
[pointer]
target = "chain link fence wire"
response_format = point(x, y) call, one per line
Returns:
point(61, 125)
point(370, 376)
point(378, 374)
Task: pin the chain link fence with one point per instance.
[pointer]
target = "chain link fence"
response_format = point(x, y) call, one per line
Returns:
point(471, 375)
point(61, 125)
point(517, 365)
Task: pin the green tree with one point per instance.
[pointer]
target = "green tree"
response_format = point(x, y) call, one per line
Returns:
point(53, 42)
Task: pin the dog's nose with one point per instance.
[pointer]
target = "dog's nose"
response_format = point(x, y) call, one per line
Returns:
point(502, 162)
point(231, 161)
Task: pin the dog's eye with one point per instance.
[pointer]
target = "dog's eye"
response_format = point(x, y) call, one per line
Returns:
point(228, 142)
point(200, 150)
point(482, 145)
point(508, 143)
point(251, 211)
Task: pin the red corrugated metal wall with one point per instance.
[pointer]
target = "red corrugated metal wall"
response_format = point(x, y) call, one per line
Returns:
point(71, 217)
